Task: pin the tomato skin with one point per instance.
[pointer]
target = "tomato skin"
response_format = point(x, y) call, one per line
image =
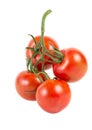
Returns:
point(53, 95)
point(26, 85)
point(47, 40)
point(73, 67)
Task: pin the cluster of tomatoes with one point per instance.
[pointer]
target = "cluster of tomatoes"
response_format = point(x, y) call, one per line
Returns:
point(68, 65)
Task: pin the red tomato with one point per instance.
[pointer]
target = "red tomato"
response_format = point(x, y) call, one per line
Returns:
point(53, 95)
point(27, 84)
point(47, 40)
point(73, 67)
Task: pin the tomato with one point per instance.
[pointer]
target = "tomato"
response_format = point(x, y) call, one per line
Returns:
point(27, 84)
point(47, 41)
point(73, 67)
point(53, 95)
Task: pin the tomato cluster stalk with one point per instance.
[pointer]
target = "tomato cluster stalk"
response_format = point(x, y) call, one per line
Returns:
point(55, 57)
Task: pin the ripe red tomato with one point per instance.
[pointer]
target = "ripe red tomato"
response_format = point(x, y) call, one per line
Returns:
point(53, 95)
point(47, 41)
point(27, 84)
point(73, 67)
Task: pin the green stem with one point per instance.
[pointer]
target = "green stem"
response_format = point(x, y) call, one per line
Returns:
point(55, 60)
point(43, 26)
point(40, 49)
point(30, 48)
point(37, 74)
point(57, 54)
point(32, 38)
point(29, 63)
point(45, 75)
point(42, 35)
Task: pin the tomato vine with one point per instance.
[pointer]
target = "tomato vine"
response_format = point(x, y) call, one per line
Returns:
point(40, 48)
point(68, 65)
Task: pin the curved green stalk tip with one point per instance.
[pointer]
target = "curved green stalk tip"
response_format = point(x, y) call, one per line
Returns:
point(49, 11)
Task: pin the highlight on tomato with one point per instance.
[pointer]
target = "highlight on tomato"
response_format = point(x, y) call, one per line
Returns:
point(73, 67)
point(53, 95)
point(26, 85)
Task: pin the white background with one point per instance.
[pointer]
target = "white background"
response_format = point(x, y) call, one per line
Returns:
point(70, 24)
